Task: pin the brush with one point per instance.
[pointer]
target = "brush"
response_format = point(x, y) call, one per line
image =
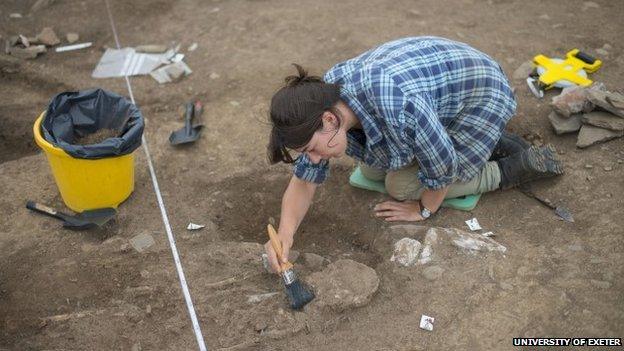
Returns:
point(298, 294)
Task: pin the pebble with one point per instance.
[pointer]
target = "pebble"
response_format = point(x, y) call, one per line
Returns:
point(590, 4)
point(608, 168)
point(588, 166)
point(214, 75)
point(602, 52)
point(234, 103)
point(15, 15)
point(607, 47)
point(544, 17)
point(619, 161)
point(601, 284)
point(72, 37)
point(506, 286)
point(433, 272)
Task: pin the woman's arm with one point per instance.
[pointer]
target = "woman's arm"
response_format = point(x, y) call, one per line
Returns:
point(295, 204)
point(432, 199)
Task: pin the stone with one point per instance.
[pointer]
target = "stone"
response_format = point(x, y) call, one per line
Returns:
point(41, 4)
point(142, 242)
point(602, 52)
point(572, 100)
point(606, 46)
point(48, 37)
point(544, 17)
point(214, 75)
point(260, 297)
point(603, 120)
point(314, 261)
point(293, 256)
point(30, 52)
point(506, 286)
point(151, 49)
point(432, 272)
point(15, 15)
point(426, 255)
point(523, 71)
point(565, 125)
point(590, 135)
point(72, 37)
point(600, 284)
point(474, 242)
point(588, 166)
point(608, 168)
point(590, 5)
point(406, 252)
point(343, 285)
point(607, 100)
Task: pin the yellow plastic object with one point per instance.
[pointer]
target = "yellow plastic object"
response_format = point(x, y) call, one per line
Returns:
point(88, 184)
point(565, 70)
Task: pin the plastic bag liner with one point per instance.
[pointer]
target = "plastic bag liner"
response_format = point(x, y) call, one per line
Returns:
point(72, 115)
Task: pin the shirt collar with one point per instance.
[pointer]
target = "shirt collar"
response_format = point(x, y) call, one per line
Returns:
point(373, 133)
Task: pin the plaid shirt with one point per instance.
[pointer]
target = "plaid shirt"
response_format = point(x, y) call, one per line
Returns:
point(429, 100)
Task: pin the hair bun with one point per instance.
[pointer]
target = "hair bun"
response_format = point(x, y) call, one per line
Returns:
point(301, 78)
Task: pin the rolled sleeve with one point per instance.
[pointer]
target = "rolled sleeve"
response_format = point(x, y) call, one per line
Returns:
point(305, 170)
point(432, 145)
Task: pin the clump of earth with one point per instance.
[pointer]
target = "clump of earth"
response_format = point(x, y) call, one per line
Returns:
point(97, 137)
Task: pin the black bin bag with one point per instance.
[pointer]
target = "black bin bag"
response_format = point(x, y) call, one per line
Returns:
point(72, 115)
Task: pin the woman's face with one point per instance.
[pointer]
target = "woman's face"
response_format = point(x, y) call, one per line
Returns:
point(328, 142)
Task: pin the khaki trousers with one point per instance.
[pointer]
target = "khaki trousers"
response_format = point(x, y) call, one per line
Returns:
point(404, 184)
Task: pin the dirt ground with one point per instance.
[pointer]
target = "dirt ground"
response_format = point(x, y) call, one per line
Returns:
point(64, 290)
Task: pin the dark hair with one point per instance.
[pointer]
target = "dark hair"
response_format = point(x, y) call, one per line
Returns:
point(296, 112)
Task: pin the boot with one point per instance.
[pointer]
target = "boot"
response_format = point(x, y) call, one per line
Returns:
point(508, 144)
point(528, 165)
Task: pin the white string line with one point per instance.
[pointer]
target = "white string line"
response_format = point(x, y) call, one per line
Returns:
point(163, 211)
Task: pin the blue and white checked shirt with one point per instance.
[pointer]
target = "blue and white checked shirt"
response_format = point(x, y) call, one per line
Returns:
point(429, 100)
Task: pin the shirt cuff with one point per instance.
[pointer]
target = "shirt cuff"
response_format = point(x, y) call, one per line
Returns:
point(305, 170)
point(435, 183)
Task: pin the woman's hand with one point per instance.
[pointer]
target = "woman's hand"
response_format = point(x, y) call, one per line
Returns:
point(393, 211)
point(274, 264)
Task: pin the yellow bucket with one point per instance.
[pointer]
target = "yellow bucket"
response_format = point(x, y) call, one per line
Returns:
point(88, 184)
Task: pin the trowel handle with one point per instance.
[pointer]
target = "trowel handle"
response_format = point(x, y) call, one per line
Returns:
point(37, 207)
point(188, 118)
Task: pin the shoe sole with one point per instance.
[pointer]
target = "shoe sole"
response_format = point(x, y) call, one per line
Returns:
point(544, 160)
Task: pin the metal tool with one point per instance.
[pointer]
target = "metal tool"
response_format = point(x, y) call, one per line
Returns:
point(190, 132)
point(85, 220)
point(560, 211)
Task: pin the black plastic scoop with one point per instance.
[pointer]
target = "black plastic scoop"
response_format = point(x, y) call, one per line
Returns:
point(85, 220)
point(189, 133)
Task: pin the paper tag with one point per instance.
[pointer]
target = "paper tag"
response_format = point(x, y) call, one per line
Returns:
point(426, 322)
point(473, 224)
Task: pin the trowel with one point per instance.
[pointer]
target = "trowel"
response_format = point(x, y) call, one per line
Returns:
point(84, 220)
point(189, 133)
point(560, 211)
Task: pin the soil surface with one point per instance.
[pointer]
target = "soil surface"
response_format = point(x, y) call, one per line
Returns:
point(66, 290)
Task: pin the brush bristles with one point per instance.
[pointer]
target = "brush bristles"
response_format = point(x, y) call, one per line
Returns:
point(298, 294)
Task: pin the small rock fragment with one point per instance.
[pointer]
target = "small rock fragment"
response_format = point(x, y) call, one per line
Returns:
point(572, 100)
point(589, 166)
point(590, 5)
point(260, 297)
point(426, 322)
point(602, 52)
point(608, 168)
point(151, 49)
point(15, 15)
point(523, 71)
point(30, 52)
point(193, 226)
point(432, 272)
point(590, 135)
point(48, 37)
point(72, 37)
point(603, 120)
point(601, 284)
point(406, 252)
point(565, 125)
point(214, 75)
point(41, 4)
point(142, 242)
point(314, 261)
point(610, 101)
point(192, 47)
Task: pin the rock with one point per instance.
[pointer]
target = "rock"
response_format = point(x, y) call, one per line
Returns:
point(142, 242)
point(72, 37)
point(544, 17)
point(343, 284)
point(24, 40)
point(48, 37)
point(602, 52)
point(590, 135)
point(314, 261)
point(136, 347)
point(293, 256)
point(589, 5)
point(600, 284)
point(588, 166)
point(30, 52)
point(603, 120)
point(432, 272)
point(15, 15)
point(431, 237)
point(565, 125)
point(506, 286)
point(41, 4)
point(474, 242)
point(151, 49)
point(260, 297)
point(610, 101)
point(406, 252)
point(523, 71)
point(607, 46)
point(234, 103)
point(571, 100)
point(608, 168)
point(192, 47)
point(214, 75)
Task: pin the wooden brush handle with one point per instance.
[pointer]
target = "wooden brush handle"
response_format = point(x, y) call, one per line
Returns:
point(277, 247)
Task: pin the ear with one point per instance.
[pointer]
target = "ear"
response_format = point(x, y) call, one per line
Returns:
point(330, 121)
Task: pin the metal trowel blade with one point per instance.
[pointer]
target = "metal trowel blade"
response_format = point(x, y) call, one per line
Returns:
point(564, 213)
